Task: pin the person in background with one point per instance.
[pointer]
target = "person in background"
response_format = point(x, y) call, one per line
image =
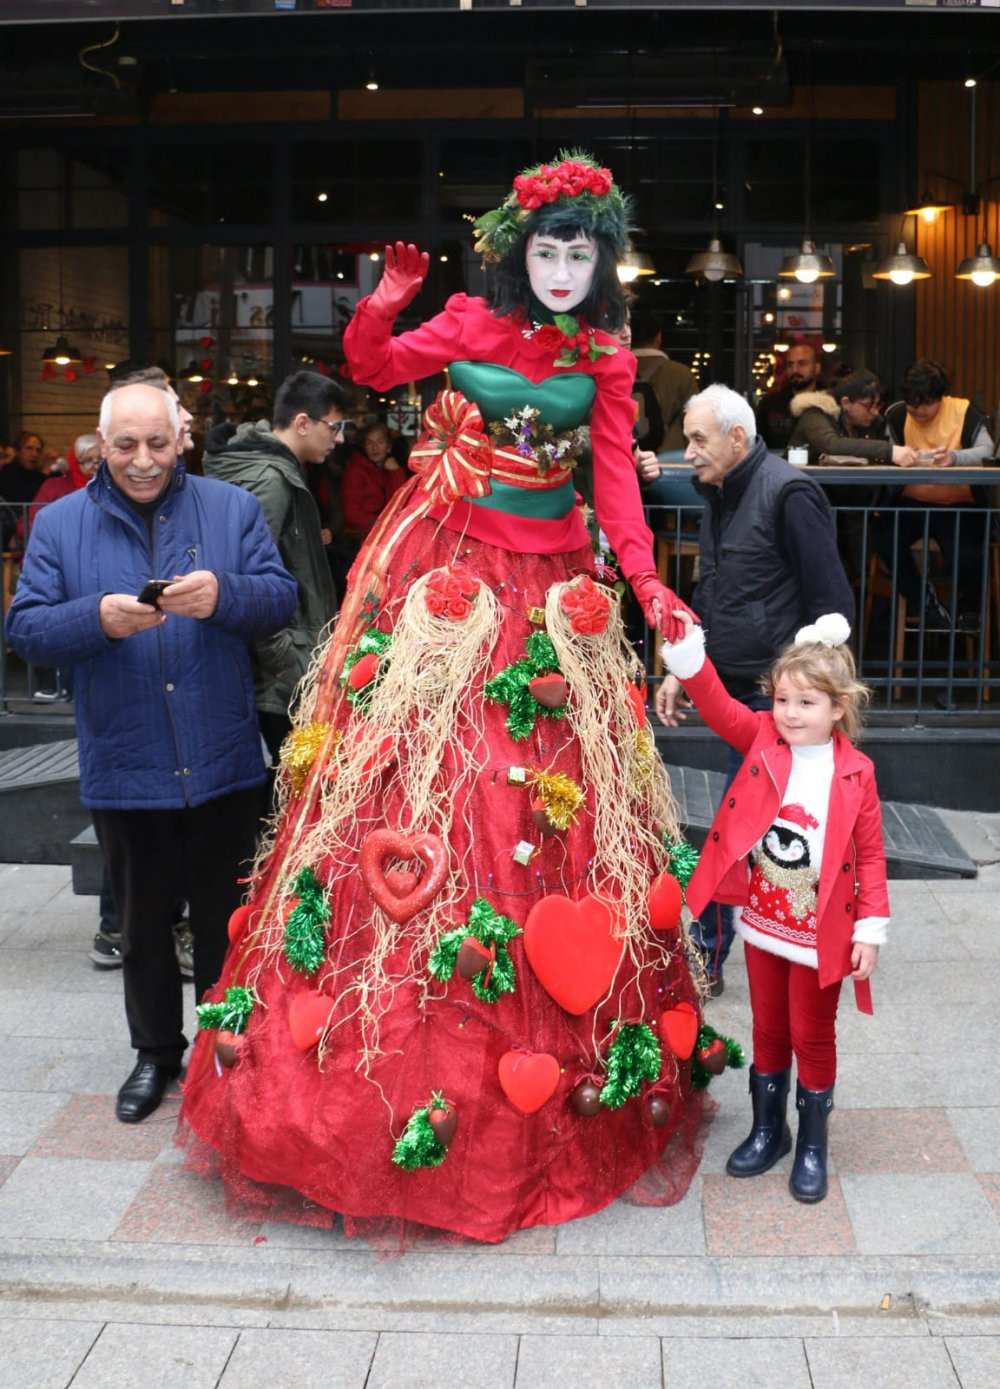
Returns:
point(81, 465)
point(371, 477)
point(20, 480)
point(271, 462)
point(815, 906)
point(769, 565)
point(673, 382)
point(944, 431)
point(845, 419)
point(774, 418)
point(169, 745)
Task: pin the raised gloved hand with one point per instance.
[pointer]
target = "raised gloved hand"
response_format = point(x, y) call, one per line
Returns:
point(405, 269)
point(659, 603)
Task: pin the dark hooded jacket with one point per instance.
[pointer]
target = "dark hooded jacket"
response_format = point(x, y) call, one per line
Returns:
point(253, 458)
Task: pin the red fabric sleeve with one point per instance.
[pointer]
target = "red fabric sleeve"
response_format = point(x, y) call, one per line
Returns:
point(378, 359)
point(617, 500)
point(731, 720)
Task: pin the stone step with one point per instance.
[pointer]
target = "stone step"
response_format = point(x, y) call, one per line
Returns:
point(40, 810)
point(918, 844)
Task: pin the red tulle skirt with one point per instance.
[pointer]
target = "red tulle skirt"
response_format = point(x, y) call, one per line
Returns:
point(302, 1136)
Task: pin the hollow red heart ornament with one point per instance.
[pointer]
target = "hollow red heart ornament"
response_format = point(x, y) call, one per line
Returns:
point(573, 949)
point(679, 1029)
point(308, 1015)
point(381, 845)
point(528, 1078)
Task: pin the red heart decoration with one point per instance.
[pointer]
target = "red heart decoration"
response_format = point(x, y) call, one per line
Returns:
point(637, 699)
point(383, 844)
point(362, 673)
point(573, 949)
point(550, 690)
point(401, 881)
point(679, 1029)
point(665, 901)
point(308, 1015)
point(239, 921)
point(528, 1078)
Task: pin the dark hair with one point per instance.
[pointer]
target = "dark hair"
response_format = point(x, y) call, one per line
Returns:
point(310, 393)
point(604, 306)
point(924, 380)
point(646, 323)
point(858, 385)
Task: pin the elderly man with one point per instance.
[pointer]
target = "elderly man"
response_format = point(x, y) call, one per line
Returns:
point(169, 747)
point(802, 373)
point(769, 565)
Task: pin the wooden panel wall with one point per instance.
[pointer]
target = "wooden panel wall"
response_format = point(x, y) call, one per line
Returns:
point(958, 323)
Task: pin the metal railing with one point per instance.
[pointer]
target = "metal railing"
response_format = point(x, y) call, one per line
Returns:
point(934, 653)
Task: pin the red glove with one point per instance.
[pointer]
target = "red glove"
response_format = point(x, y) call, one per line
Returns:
point(405, 268)
point(659, 603)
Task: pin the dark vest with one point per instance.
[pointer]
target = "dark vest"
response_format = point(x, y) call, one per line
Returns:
point(749, 598)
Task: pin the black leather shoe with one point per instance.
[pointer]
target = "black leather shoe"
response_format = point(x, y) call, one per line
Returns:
point(143, 1091)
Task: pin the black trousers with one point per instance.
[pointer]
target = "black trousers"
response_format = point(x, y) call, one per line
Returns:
point(141, 849)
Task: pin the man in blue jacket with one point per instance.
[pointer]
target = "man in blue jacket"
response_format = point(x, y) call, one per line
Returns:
point(169, 745)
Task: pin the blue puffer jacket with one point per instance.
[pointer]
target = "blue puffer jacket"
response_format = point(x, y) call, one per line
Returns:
point(165, 718)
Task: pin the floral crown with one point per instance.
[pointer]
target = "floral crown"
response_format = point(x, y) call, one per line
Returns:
point(577, 193)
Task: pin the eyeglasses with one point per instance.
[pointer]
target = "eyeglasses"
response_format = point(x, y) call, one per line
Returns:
point(336, 427)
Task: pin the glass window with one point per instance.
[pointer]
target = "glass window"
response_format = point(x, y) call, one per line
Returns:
point(60, 189)
point(218, 183)
point(80, 295)
point(338, 181)
point(210, 314)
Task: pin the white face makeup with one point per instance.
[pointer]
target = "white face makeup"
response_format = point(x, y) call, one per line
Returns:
point(561, 272)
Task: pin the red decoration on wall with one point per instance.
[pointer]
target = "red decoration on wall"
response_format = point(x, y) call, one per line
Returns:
point(205, 342)
point(205, 387)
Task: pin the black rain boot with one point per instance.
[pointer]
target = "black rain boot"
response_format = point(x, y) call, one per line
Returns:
point(808, 1179)
point(770, 1138)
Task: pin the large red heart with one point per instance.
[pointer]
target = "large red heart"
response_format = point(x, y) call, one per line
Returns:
point(385, 844)
point(679, 1029)
point(528, 1078)
point(308, 1015)
point(665, 901)
point(573, 949)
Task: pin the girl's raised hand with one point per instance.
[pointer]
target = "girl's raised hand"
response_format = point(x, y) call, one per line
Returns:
point(405, 271)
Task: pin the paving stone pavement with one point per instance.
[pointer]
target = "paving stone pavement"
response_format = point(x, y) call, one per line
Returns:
point(119, 1268)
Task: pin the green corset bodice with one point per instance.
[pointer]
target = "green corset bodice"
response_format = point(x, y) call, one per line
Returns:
point(562, 401)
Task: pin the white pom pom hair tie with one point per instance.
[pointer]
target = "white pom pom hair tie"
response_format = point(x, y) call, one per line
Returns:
point(832, 629)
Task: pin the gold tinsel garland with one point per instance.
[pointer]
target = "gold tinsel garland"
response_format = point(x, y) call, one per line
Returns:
point(561, 797)
point(300, 750)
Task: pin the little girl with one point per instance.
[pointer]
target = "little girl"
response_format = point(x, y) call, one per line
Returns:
point(797, 843)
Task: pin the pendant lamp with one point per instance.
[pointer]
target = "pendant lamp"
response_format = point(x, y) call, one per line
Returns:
point(714, 264)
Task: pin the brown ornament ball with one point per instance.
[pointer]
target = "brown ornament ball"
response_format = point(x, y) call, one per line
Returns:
point(443, 1122)
point(659, 1111)
point(541, 818)
point(586, 1099)
point(550, 690)
point(714, 1057)
point(228, 1046)
point(473, 957)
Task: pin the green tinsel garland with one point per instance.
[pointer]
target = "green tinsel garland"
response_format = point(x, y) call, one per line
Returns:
point(634, 1056)
point(489, 928)
point(417, 1146)
point(230, 1015)
point(371, 644)
point(735, 1055)
point(304, 942)
point(510, 686)
point(683, 861)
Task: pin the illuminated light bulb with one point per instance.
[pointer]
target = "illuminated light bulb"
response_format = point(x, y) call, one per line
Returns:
point(757, 110)
point(983, 278)
point(784, 292)
point(969, 82)
point(901, 277)
point(929, 214)
point(807, 276)
point(829, 347)
point(252, 381)
point(714, 273)
point(321, 197)
point(373, 255)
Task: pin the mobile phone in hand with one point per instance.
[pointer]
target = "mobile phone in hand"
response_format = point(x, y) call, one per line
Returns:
point(151, 591)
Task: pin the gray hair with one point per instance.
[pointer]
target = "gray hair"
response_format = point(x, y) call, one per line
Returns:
point(727, 409)
point(104, 423)
point(84, 444)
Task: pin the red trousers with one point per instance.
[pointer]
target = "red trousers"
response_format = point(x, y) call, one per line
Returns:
point(792, 1014)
